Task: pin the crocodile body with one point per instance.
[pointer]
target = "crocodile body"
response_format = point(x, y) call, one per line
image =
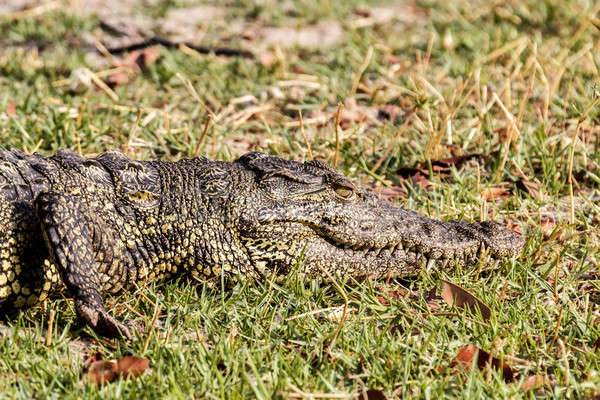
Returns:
point(93, 226)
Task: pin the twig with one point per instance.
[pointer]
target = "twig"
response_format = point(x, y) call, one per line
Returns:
point(557, 328)
point(344, 312)
point(190, 88)
point(34, 11)
point(133, 310)
point(394, 142)
point(572, 156)
point(361, 70)
point(512, 129)
point(50, 328)
point(89, 74)
point(151, 328)
point(201, 139)
point(337, 133)
point(306, 142)
point(133, 131)
point(156, 40)
point(556, 298)
point(502, 50)
point(566, 362)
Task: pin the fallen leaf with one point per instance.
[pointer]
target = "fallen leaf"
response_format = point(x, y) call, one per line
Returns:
point(371, 394)
point(362, 12)
point(421, 181)
point(461, 298)
point(525, 185)
point(390, 192)
point(11, 109)
point(548, 225)
point(513, 226)
point(395, 294)
point(267, 59)
point(131, 366)
point(151, 54)
point(409, 172)
point(419, 174)
point(465, 357)
point(432, 300)
point(118, 78)
point(459, 161)
point(101, 372)
point(97, 356)
point(496, 193)
point(534, 382)
point(389, 112)
point(391, 59)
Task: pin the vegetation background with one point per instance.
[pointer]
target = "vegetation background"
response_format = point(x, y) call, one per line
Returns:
point(465, 109)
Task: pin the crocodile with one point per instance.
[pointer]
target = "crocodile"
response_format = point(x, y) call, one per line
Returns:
point(89, 227)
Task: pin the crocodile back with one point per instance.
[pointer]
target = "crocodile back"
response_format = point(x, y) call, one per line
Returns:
point(19, 180)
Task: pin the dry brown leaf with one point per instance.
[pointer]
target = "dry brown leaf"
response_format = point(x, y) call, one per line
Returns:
point(496, 193)
point(389, 112)
point(151, 54)
point(419, 174)
point(131, 366)
point(534, 382)
point(432, 299)
point(513, 227)
point(461, 298)
point(533, 188)
point(101, 372)
point(548, 224)
point(267, 59)
point(371, 394)
point(118, 78)
point(421, 181)
point(395, 294)
point(11, 109)
point(360, 12)
point(390, 192)
point(132, 63)
point(465, 357)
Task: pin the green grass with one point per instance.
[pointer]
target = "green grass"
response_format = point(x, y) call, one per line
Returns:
point(245, 339)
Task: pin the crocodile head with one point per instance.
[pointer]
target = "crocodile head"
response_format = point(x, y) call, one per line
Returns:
point(308, 214)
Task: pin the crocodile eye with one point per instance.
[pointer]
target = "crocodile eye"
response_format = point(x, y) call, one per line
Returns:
point(344, 192)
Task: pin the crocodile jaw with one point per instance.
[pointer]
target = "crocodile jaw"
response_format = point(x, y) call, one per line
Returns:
point(371, 238)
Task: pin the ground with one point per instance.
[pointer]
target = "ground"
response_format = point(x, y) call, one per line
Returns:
point(457, 109)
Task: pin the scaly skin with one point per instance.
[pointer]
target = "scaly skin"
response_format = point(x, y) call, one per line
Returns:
point(105, 224)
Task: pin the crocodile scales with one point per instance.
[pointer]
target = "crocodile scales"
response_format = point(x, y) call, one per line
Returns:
point(94, 226)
